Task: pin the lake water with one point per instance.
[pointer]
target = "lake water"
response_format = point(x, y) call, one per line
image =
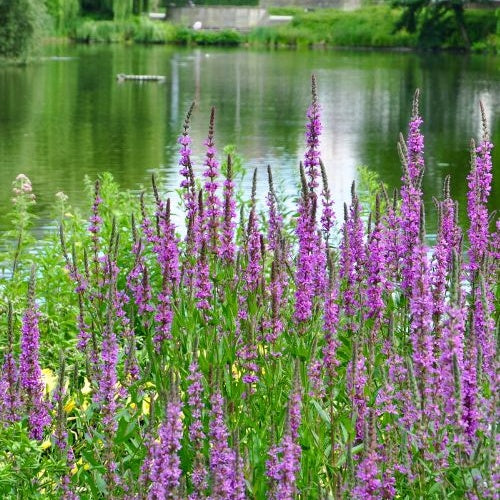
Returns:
point(66, 115)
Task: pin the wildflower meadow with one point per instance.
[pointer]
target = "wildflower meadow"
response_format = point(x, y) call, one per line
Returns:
point(207, 344)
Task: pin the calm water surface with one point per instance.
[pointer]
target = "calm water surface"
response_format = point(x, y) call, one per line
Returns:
point(66, 116)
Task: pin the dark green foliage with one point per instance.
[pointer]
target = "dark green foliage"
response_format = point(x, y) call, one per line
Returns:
point(19, 21)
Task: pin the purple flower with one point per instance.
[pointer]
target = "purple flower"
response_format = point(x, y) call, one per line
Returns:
point(283, 465)
point(223, 460)
point(30, 374)
point(227, 249)
point(479, 182)
point(275, 218)
point(330, 325)
point(313, 131)
point(165, 464)
point(9, 380)
point(212, 202)
point(306, 260)
point(411, 194)
point(196, 431)
point(203, 284)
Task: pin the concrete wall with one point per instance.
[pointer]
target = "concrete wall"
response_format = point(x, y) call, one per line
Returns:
point(313, 4)
point(239, 18)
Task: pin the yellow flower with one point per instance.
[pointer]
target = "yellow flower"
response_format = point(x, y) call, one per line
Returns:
point(263, 349)
point(49, 379)
point(236, 372)
point(46, 444)
point(74, 470)
point(70, 405)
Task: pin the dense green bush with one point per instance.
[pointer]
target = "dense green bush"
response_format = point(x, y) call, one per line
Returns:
point(141, 30)
point(21, 24)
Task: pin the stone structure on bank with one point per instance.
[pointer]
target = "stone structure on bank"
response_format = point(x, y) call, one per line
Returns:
point(246, 18)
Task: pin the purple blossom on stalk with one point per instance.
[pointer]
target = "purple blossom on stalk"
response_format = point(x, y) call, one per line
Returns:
point(306, 261)
point(167, 252)
point(107, 380)
point(479, 183)
point(352, 258)
point(451, 361)
point(275, 218)
point(9, 381)
point(212, 202)
point(95, 225)
point(276, 288)
point(449, 236)
point(421, 328)
point(223, 460)
point(412, 156)
point(375, 261)
point(283, 465)
point(253, 270)
point(470, 392)
point(227, 249)
point(356, 383)
point(368, 474)
point(327, 214)
point(196, 432)
point(330, 326)
point(30, 374)
point(165, 465)
point(186, 170)
point(391, 235)
point(203, 284)
point(313, 131)
point(138, 278)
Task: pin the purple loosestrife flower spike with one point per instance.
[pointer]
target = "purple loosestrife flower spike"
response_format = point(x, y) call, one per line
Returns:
point(138, 278)
point(95, 225)
point(479, 182)
point(227, 249)
point(306, 261)
point(283, 465)
point(9, 380)
point(391, 235)
point(357, 379)
point(313, 131)
point(375, 262)
point(421, 330)
point(212, 202)
point(196, 431)
point(31, 384)
point(275, 218)
point(203, 284)
point(448, 240)
point(167, 252)
point(253, 247)
point(367, 475)
point(327, 214)
point(165, 466)
point(222, 458)
point(330, 325)
point(411, 193)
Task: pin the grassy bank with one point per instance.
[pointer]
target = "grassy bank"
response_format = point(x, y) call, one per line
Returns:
point(376, 26)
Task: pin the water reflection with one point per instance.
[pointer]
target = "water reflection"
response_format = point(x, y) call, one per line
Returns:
point(63, 118)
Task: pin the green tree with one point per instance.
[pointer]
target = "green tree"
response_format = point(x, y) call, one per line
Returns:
point(430, 19)
point(21, 22)
point(64, 13)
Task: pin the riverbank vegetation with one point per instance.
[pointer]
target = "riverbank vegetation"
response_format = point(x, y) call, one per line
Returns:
point(428, 27)
point(201, 344)
point(379, 26)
